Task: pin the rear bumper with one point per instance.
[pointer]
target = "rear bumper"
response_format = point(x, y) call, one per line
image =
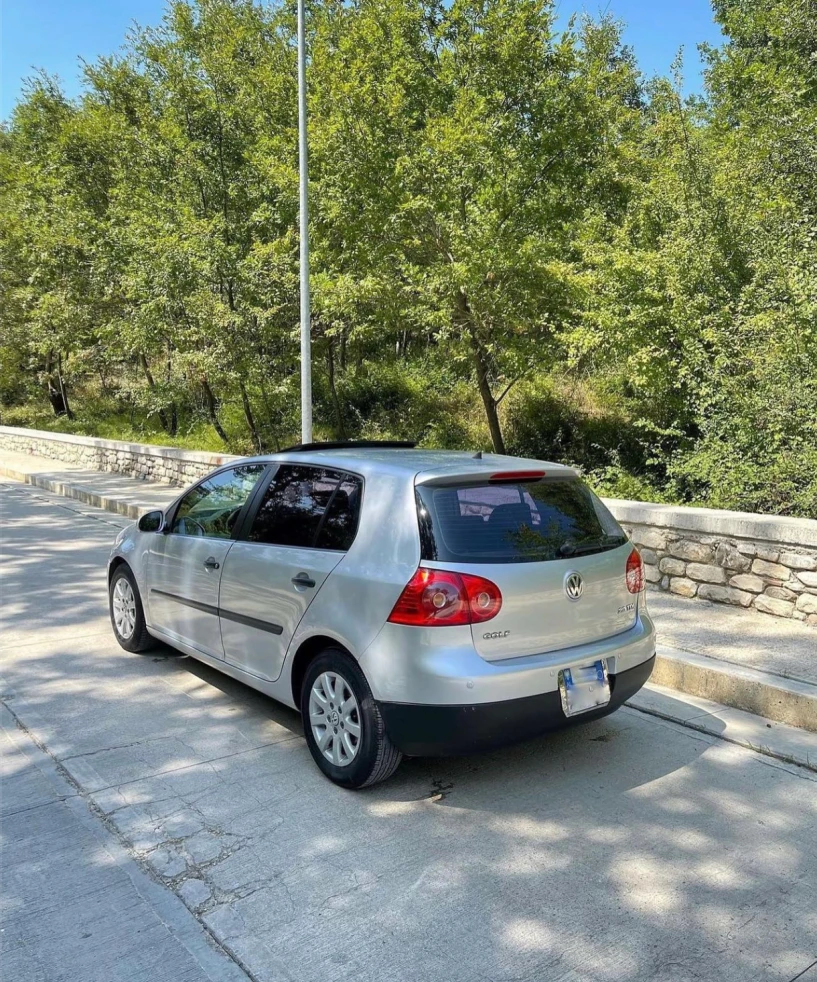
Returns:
point(439, 731)
point(439, 666)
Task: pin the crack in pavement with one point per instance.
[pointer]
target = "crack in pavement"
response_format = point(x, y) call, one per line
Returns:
point(118, 746)
point(184, 767)
point(806, 969)
point(128, 848)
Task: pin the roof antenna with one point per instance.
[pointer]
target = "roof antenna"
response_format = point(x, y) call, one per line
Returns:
point(478, 455)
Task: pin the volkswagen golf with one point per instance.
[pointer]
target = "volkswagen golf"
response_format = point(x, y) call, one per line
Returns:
point(406, 601)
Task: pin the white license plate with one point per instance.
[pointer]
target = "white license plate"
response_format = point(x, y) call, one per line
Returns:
point(585, 688)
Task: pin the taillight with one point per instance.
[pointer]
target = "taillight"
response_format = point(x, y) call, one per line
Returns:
point(635, 572)
point(436, 597)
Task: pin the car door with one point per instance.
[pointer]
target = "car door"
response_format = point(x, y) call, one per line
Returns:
point(184, 564)
point(304, 523)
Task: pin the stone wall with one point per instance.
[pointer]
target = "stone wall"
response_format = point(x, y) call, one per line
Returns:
point(140, 460)
point(760, 561)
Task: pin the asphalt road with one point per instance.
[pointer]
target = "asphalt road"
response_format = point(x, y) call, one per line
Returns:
point(162, 821)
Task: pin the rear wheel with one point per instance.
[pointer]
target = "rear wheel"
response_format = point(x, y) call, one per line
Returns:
point(343, 726)
point(127, 615)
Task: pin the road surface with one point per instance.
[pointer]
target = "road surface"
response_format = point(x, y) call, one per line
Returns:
point(162, 821)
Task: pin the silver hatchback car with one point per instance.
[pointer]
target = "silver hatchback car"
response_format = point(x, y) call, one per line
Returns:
point(406, 601)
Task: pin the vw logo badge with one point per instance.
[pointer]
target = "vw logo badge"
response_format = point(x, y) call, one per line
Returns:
point(574, 586)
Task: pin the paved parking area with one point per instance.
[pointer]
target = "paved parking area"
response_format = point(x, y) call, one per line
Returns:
point(181, 816)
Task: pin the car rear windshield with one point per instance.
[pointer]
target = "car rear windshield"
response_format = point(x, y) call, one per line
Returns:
point(518, 522)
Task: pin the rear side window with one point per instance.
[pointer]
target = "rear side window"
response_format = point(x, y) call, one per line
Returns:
point(310, 507)
point(529, 521)
point(339, 525)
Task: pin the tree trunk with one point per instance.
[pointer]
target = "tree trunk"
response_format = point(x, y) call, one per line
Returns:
point(330, 360)
point(63, 390)
point(54, 394)
point(270, 419)
point(152, 383)
point(174, 417)
point(481, 369)
point(488, 401)
point(212, 409)
point(245, 401)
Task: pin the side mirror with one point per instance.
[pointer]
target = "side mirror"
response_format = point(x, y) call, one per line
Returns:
point(152, 521)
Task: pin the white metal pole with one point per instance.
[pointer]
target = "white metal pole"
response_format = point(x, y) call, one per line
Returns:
point(303, 164)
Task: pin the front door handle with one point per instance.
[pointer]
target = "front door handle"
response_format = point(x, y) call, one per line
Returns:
point(303, 579)
point(210, 563)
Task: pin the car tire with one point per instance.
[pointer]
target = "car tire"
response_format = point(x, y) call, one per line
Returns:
point(375, 758)
point(123, 596)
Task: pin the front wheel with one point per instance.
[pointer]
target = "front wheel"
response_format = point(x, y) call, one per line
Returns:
point(342, 723)
point(127, 615)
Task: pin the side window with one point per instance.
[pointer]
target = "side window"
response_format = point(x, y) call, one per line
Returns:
point(301, 501)
point(211, 508)
point(340, 522)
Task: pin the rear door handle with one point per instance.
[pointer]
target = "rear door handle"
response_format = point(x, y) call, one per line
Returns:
point(303, 579)
point(210, 563)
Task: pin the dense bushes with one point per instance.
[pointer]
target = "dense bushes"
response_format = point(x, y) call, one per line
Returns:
point(516, 241)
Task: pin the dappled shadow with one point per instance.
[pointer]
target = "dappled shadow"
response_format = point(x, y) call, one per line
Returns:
point(624, 849)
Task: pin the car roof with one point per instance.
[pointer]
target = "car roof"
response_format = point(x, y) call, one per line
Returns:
point(425, 466)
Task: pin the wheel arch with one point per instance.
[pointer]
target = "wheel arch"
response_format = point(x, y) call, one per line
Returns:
point(309, 649)
point(116, 562)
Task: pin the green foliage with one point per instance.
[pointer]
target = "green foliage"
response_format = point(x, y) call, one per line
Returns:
point(517, 242)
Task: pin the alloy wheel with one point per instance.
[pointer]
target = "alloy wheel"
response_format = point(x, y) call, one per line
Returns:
point(124, 608)
point(334, 716)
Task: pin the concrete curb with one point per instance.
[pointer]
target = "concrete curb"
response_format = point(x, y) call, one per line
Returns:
point(784, 700)
point(789, 744)
point(118, 506)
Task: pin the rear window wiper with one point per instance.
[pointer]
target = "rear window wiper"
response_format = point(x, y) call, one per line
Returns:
point(589, 545)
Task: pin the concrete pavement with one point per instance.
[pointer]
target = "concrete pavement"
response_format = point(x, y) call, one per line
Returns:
point(629, 849)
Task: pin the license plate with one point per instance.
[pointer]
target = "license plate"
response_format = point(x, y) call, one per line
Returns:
point(585, 688)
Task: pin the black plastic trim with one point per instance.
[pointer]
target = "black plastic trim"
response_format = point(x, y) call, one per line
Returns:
point(228, 615)
point(195, 604)
point(441, 731)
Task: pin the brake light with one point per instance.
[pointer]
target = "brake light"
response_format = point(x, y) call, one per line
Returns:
point(635, 572)
point(517, 476)
point(436, 597)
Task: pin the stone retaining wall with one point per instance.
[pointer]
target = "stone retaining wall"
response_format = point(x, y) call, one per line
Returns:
point(140, 460)
point(760, 561)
